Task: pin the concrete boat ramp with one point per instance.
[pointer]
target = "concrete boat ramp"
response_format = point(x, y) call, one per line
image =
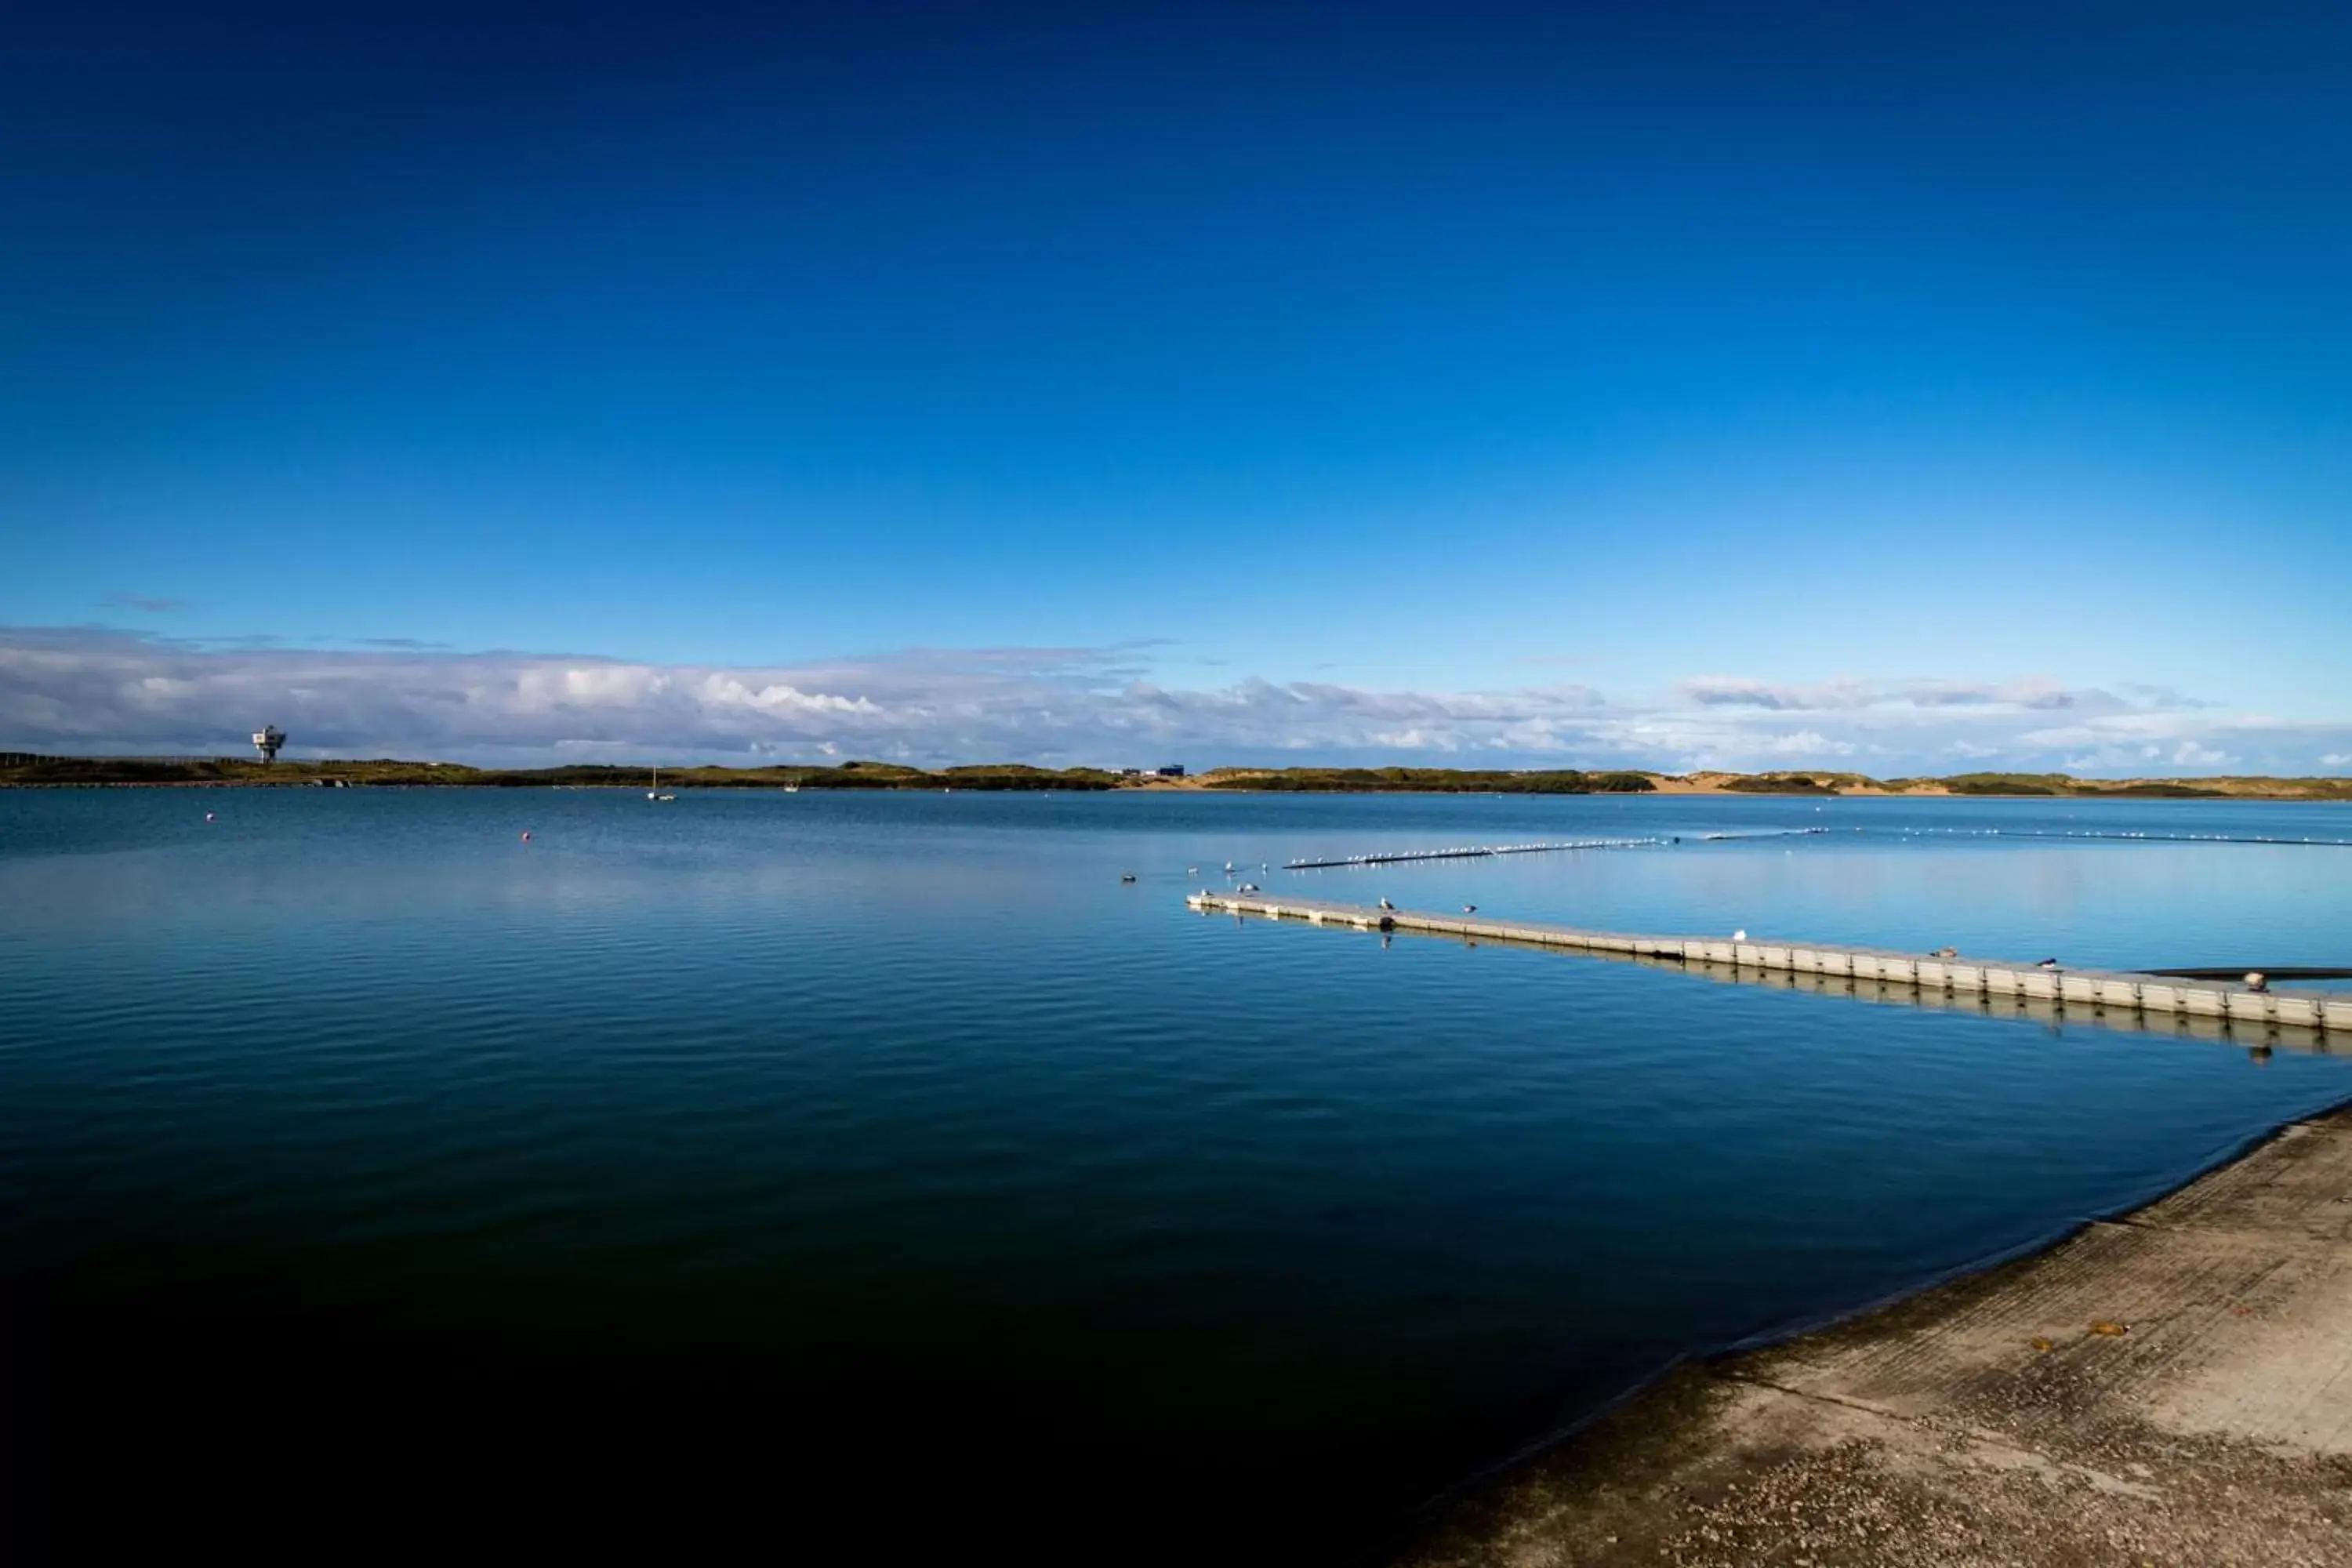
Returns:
point(2173, 1387)
point(2110, 996)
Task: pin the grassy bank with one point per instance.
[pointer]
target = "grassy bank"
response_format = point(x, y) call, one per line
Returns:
point(1435, 781)
point(1576, 782)
point(18, 769)
point(388, 772)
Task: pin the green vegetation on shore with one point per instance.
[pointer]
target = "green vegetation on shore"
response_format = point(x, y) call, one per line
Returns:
point(1782, 783)
point(389, 773)
point(2059, 783)
point(1441, 781)
point(20, 769)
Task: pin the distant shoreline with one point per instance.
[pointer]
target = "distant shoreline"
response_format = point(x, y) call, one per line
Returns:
point(22, 771)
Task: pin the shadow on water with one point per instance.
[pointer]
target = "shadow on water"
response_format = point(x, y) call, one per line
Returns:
point(131, 1431)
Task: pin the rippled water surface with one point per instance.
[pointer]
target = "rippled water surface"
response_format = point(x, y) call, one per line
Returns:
point(886, 1162)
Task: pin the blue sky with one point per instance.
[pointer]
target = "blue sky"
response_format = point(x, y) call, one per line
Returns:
point(1899, 388)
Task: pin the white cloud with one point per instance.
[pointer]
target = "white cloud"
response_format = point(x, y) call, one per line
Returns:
point(2030, 693)
point(70, 689)
point(1803, 743)
point(1738, 691)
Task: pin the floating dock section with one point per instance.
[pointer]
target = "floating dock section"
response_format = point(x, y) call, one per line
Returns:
point(2098, 988)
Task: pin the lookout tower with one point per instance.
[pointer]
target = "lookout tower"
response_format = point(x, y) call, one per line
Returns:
point(267, 740)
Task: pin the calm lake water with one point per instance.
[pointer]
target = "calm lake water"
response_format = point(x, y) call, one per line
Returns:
point(884, 1165)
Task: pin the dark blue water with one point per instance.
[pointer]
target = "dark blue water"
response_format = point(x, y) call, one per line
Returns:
point(884, 1162)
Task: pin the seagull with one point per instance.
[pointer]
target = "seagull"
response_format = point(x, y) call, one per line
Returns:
point(1469, 909)
point(1192, 870)
point(1386, 905)
point(2047, 963)
point(1127, 876)
point(1945, 952)
point(1739, 936)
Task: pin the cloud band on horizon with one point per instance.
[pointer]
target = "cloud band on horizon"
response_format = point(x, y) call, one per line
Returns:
point(99, 690)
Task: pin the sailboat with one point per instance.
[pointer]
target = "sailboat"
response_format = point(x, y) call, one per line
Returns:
point(654, 793)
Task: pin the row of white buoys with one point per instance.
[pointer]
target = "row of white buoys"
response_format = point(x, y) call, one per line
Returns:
point(1763, 833)
point(2140, 836)
point(1479, 851)
point(1464, 852)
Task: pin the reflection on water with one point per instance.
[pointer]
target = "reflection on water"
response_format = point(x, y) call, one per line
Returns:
point(890, 1159)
